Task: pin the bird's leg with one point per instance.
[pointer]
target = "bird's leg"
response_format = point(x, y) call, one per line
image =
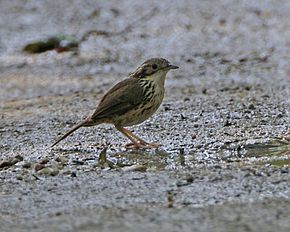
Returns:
point(134, 142)
point(141, 141)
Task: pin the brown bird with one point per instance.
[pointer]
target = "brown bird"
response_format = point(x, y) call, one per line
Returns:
point(131, 101)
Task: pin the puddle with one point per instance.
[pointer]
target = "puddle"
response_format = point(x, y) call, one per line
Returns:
point(275, 147)
point(265, 151)
point(282, 162)
point(141, 159)
point(256, 151)
point(153, 160)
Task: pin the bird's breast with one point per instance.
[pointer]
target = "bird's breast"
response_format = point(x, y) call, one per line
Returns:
point(153, 96)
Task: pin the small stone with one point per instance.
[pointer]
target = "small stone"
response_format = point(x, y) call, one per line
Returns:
point(10, 161)
point(78, 162)
point(195, 125)
point(73, 174)
point(198, 146)
point(61, 159)
point(44, 161)
point(18, 157)
point(38, 167)
point(183, 117)
point(170, 199)
point(5, 163)
point(280, 115)
point(222, 21)
point(48, 171)
point(227, 123)
point(189, 178)
point(181, 183)
point(58, 213)
point(19, 177)
point(135, 168)
point(167, 108)
point(26, 165)
point(251, 106)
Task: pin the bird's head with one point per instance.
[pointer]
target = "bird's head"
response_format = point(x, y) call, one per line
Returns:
point(154, 68)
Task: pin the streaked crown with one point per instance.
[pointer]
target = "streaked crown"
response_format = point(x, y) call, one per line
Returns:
point(152, 66)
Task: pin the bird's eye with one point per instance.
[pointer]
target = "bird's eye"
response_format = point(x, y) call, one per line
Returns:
point(154, 66)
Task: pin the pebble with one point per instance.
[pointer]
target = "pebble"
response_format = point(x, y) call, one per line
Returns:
point(26, 165)
point(61, 159)
point(38, 167)
point(11, 161)
point(19, 177)
point(135, 168)
point(6, 163)
point(251, 106)
point(44, 161)
point(48, 171)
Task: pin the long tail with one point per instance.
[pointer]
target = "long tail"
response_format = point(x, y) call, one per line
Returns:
point(70, 131)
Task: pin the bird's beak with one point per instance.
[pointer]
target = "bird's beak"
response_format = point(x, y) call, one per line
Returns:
point(171, 66)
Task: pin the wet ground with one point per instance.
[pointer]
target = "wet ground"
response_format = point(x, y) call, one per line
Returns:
point(224, 123)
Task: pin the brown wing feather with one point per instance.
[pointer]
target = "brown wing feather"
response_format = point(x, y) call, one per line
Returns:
point(120, 99)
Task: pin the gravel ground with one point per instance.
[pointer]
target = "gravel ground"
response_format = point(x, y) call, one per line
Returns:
point(224, 123)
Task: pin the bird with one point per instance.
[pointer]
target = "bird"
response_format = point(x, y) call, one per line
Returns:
point(131, 101)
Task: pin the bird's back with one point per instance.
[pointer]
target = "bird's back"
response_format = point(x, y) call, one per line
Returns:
point(119, 100)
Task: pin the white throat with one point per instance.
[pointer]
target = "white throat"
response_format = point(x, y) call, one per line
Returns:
point(158, 77)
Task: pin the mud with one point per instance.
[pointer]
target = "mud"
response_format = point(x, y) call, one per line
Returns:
point(223, 126)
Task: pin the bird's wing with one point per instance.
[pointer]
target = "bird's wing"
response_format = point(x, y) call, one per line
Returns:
point(120, 99)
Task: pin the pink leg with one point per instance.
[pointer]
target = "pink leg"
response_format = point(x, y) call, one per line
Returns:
point(136, 141)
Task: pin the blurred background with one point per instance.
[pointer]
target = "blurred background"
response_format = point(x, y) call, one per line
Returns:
point(216, 39)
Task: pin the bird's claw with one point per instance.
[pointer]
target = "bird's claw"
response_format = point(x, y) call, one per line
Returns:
point(142, 145)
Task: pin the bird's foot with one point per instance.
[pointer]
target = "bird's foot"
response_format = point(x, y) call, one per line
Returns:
point(142, 145)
